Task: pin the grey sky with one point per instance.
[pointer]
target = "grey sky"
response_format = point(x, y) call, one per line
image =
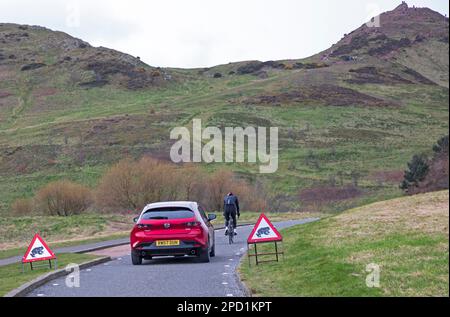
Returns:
point(199, 33)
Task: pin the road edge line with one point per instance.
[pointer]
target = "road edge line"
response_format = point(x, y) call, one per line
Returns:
point(28, 287)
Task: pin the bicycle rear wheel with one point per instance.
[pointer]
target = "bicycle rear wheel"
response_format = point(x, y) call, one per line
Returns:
point(231, 231)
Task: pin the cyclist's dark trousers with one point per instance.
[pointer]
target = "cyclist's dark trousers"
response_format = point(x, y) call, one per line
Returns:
point(230, 212)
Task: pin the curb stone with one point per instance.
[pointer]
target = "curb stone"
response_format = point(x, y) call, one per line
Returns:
point(28, 287)
point(241, 284)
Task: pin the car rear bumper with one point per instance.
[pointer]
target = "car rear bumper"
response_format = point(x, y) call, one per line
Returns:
point(149, 249)
point(144, 239)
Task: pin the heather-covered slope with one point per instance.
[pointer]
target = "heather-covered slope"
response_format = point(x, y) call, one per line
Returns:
point(350, 117)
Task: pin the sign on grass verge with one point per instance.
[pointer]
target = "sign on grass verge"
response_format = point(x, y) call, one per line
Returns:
point(264, 232)
point(38, 250)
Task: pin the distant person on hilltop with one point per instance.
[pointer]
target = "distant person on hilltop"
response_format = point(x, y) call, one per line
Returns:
point(231, 209)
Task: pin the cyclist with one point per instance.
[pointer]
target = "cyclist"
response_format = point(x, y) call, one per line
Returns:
point(231, 209)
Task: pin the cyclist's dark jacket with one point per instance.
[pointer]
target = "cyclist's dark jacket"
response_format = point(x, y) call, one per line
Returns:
point(231, 204)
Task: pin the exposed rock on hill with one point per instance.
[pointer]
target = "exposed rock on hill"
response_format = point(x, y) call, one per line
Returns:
point(55, 56)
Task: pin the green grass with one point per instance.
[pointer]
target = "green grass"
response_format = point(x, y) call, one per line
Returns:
point(406, 237)
point(11, 276)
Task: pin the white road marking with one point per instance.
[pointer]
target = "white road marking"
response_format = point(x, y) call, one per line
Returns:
point(224, 283)
point(230, 260)
point(226, 265)
point(230, 295)
point(88, 270)
point(225, 273)
point(55, 284)
point(120, 259)
point(40, 295)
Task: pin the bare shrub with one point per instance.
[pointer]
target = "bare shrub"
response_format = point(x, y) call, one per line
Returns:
point(251, 197)
point(132, 185)
point(220, 183)
point(157, 181)
point(63, 198)
point(193, 183)
point(115, 189)
point(22, 207)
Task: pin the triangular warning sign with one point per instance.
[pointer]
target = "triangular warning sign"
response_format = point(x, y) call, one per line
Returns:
point(264, 231)
point(38, 250)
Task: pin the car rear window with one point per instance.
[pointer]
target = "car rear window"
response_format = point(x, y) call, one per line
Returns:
point(168, 213)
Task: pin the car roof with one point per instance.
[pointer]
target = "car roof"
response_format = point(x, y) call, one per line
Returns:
point(184, 204)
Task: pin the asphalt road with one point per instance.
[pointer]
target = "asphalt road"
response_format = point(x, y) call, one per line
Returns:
point(164, 277)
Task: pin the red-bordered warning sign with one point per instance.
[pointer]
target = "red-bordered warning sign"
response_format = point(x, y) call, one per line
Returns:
point(264, 231)
point(38, 250)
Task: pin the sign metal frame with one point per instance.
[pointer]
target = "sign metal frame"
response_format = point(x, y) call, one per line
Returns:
point(274, 240)
point(49, 258)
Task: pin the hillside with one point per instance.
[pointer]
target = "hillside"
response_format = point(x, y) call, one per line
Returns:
point(406, 237)
point(44, 57)
point(416, 38)
point(349, 118)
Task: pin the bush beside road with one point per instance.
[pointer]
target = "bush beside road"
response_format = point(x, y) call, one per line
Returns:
point(406, 237)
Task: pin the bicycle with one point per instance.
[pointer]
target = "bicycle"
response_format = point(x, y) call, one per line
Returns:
point(230, 230)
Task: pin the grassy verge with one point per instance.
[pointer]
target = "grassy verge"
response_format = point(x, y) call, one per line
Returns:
point(406, 237)
point(11, 276)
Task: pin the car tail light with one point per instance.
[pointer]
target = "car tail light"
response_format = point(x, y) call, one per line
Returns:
point(144, 227)
point(192, 224)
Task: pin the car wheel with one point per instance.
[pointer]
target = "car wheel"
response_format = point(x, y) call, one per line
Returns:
point(204, 256)
point(213, 251)
point(135, 259)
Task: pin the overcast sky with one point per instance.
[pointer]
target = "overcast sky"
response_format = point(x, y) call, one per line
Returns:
point(200, 33)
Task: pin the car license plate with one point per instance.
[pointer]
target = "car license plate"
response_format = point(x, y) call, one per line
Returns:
point(167, 243)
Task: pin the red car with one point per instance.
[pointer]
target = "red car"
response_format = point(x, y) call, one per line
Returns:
point(172, 229)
